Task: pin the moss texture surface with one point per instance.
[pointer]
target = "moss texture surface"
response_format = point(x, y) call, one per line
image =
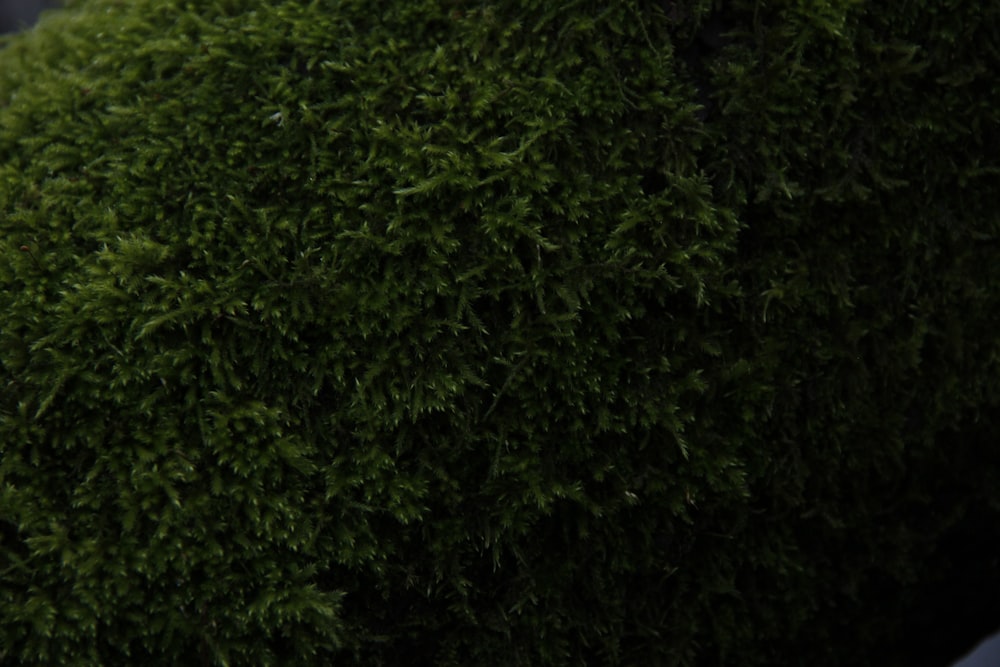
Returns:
point(512, 333)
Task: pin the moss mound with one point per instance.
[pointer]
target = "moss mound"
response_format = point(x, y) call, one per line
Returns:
point(498, 334)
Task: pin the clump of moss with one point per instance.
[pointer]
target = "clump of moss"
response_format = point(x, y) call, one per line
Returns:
point(503, 334)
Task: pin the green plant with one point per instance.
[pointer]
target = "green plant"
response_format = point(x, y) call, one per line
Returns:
point(504, 334)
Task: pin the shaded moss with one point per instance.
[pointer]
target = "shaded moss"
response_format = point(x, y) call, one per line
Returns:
point(500, 334)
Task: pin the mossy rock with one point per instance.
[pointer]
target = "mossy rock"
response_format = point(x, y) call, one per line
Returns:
point(519, 333)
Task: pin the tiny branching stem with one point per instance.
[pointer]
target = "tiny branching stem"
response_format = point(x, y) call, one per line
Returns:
point(27, 249)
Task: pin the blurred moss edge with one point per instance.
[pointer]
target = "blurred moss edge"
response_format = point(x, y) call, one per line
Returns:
point(18, 15)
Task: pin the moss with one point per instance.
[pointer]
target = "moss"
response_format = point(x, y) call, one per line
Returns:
point(500, 334)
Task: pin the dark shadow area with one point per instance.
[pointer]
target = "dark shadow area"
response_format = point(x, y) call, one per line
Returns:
point(956, 613)
point(961, 606)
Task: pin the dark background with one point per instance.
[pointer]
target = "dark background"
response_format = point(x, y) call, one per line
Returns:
point(15, 14)
point(19, 14)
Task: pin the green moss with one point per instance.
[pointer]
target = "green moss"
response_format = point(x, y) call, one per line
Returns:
point(499, 334)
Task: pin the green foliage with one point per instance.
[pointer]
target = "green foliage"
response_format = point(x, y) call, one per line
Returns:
point(501, 334)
